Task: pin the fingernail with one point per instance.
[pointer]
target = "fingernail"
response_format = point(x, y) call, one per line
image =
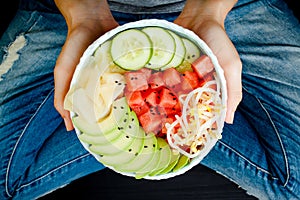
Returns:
point(68, 126)
point(230, 117)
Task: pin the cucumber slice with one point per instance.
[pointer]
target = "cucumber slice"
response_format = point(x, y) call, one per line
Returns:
point(163, 47)
point(192, 51)
point(102, 56)
point(131, 49)
point(179, 52)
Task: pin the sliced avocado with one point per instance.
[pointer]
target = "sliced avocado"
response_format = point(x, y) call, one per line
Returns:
point(117, 117)
point(150, 167)
point(86, 127)
point(119, 112)
point(161, 159)
point(99, 139)
point(143, 158)
point(174, 160)
point(135, 133)
point(127, 135)
point(183, 161)
point(165, 156)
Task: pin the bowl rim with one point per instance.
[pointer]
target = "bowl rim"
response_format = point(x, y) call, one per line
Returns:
point(183, 32)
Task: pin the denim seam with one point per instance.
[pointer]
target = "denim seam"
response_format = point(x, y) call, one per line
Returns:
point(278, 137)
point(249, 161)
point(36, 21)
point(280, 141)
point(57, 168)
point(17, 143)
point(274, 9)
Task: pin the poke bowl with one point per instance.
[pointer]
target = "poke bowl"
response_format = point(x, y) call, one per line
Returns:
point(148, 99)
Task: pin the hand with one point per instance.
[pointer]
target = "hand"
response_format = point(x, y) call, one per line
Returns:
point(86, 21)
point(206, 19)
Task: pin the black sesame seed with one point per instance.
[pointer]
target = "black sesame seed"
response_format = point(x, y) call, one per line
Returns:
point(145, 146)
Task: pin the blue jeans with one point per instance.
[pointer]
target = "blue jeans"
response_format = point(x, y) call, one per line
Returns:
point(259, 152)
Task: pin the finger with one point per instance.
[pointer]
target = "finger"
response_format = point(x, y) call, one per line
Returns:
point(230, 62)
point(61, 89)
point(234, 91)
point(69, 57)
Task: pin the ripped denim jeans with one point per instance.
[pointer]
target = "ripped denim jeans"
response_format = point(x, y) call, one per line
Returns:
point(259, 152)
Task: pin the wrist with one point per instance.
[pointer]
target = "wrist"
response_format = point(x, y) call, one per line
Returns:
point(201, 11)
point(92, 17)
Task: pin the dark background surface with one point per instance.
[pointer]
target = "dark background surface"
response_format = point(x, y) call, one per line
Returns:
point(198, 183)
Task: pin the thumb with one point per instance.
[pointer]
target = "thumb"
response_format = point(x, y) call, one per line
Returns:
point(75, 45)
point(234, 91)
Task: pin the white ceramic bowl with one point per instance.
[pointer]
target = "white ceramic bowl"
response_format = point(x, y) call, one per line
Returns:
point(184, 33)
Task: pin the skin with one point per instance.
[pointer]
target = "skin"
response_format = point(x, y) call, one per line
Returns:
point(89, 19)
